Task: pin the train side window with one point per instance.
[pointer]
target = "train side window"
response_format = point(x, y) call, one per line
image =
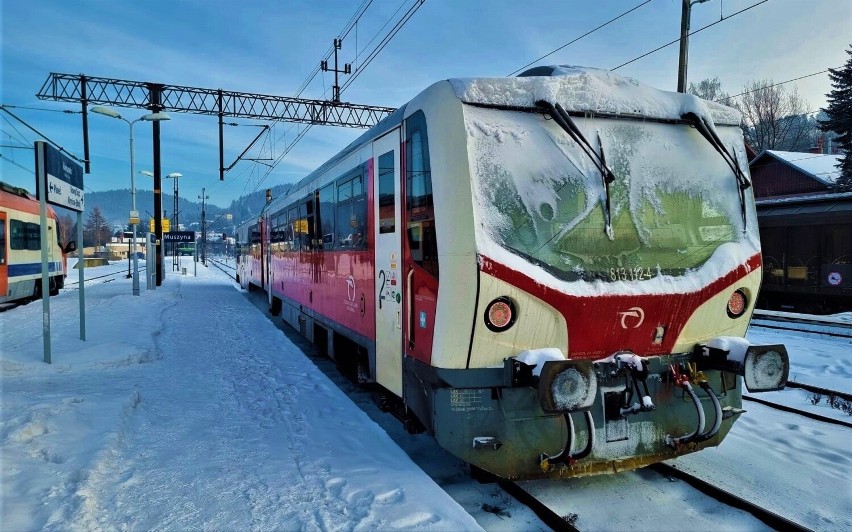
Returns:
point(33, 237)
point(351, 212)
point(296, 240)
point(2, 242)
point(306, 223)
point(24, 235)
point(326, 216)
point(18, 238)
point(286, 232)
point(387, 194)
point(420, 208)
point(275, 236)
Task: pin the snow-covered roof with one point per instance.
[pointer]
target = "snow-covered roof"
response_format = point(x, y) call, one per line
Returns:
point(806, 198)
point(819, 166)
point(584, 89)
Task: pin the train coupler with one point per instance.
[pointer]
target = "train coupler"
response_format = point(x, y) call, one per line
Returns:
point(635, 371)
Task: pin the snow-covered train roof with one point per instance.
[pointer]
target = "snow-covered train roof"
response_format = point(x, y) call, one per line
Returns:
point(589, 90)
point(576, 88)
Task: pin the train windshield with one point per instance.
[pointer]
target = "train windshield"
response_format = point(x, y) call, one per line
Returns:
point(672, 204)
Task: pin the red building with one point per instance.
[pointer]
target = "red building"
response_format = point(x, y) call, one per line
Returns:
point(784, 173)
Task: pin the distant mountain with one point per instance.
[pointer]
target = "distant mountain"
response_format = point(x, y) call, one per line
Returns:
point(115, 207)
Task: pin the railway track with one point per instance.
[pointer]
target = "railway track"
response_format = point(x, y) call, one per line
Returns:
point(75, 285)
point(792, 410)
point(663, 473)
point(811, 324)
point(558, 519)
point(229, 270)
point(769, 518)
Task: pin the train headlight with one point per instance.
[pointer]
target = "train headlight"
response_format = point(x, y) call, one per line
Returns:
point(567, 386)
point(764, 368)
point(500, 314)
point(737, 304)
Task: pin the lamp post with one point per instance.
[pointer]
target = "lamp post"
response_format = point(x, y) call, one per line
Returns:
point(134, 214)
point(686, 12)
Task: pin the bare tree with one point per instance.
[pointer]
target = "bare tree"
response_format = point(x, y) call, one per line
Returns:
point(709, 89)
point(774, 118)
point(67, 228)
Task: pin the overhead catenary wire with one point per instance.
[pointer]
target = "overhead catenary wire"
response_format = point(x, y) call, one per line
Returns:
point(415, 5)
point(10, 161)
point(634, 8)
point(646, 54)
point(39, 133)
point(769, 86)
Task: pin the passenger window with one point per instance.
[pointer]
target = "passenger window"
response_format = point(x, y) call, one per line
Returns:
point(351, 212)
point(18, 235)
point(33, 237)
point(295, 238)
point(306, 223)
point(387, 196)
point(420, 208)
point(325, 216)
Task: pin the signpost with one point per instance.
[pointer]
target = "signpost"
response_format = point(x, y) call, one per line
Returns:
point(59, 181)
point(178, 237)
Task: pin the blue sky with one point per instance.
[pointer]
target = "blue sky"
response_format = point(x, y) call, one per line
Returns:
point(270, 47)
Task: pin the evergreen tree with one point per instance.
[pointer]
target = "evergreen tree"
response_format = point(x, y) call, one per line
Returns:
point(839, 113)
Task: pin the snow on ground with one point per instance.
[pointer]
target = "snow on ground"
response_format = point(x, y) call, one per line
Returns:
point(187, 409)
point(814, 359)
point(168, 417)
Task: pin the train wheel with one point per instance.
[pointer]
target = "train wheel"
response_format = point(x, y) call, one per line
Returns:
point(37, 290)
point(54, 287)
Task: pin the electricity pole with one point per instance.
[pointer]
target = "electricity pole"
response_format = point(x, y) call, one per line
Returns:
point(685, 14)
point(203, 198)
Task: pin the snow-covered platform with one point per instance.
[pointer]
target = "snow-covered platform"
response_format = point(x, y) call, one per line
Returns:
point(185, 408)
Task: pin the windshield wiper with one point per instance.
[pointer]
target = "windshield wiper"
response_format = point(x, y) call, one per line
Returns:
point(709, 133)
point(561, 117)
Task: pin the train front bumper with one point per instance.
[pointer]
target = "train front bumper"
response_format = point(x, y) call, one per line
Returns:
point(561, 418)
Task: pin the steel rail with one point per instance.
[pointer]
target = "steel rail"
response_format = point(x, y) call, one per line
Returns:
point(75, 284)
point(782, 328)
point(541, 510)
point(785, 408)
point(816, 389)
point(768, 517)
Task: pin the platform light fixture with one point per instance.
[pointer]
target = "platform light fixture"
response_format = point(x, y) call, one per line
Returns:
point(150, 117)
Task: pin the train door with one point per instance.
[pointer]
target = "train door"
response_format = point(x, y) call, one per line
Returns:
point(4, 261)
point(387, 236)
point(420, 244)
point(264, 243)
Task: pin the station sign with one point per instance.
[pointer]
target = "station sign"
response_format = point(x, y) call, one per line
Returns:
point(179, 236)
point(134, 217)
point(61, 177)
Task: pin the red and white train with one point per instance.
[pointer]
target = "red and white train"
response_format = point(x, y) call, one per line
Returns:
point(553, 273)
